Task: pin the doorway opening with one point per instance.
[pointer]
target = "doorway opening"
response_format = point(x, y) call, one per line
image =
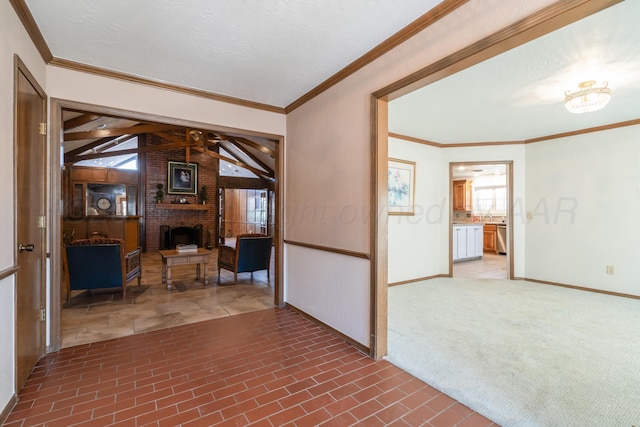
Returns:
point(177, 140)
point(481, 220)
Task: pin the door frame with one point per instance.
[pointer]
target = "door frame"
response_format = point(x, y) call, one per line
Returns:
point(546, 20)
point(509, 179)
point(56, 162)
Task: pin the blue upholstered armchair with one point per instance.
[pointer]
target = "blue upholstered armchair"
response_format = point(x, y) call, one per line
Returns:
point(252, 253)
point(100, 263)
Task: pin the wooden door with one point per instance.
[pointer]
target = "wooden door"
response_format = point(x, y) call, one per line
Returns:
point(30, 148)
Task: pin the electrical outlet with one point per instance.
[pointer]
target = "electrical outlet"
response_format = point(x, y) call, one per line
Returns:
point(529, 215)
point(611, 270)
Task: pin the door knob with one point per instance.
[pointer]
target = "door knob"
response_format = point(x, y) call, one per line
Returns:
point(28, 248)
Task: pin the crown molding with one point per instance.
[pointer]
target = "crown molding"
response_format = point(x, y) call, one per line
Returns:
point(32, 29)
point(584, 131)
point(76, 66)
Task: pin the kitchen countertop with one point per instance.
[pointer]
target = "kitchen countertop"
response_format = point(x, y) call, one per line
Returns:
point(479, 223)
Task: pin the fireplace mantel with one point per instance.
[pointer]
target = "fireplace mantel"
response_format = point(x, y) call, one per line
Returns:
point(182, 207)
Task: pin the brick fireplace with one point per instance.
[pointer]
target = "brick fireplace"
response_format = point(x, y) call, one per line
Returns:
point(170, 236)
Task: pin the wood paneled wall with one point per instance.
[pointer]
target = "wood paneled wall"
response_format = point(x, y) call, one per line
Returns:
point(245, 212)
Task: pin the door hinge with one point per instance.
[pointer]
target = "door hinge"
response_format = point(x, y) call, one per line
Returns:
point(42, 128)
point(43, 314)
point(42, 221)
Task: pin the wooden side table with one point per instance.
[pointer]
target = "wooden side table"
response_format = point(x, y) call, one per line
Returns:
point(172, 257)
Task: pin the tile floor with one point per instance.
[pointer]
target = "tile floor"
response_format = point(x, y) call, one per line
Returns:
point(491, 266)
point(265, 368)
point(215, 355)
point(104, 314)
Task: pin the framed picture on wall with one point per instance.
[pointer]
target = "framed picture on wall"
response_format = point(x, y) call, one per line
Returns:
point(183, 178)
point(401, 183)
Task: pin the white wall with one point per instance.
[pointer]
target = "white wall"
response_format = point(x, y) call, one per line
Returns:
point(412, 257)
point(329, 146)
point(584, 194)
point(414, 242)
point(13, 40)
point(107, 92)
point(319, 283)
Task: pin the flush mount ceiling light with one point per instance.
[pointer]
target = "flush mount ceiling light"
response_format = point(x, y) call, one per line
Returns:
point(588, 98)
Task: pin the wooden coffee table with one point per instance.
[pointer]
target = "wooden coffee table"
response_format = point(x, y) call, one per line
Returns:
point(172, 257)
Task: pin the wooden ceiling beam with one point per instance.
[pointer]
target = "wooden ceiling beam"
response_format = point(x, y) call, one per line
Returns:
point(248, 142)
point(79, 121)
point(247, 153)
point(134, 130)
point(147, 149)
point(257, 171)
point(89, 146)
point(204, 149)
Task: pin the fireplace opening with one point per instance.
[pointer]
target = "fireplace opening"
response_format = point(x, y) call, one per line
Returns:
point(171, 236)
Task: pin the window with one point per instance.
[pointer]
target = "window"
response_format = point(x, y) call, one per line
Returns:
point(125, 161)
point(490, 200)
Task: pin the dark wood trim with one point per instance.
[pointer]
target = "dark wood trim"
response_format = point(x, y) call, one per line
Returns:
point(328, 249)
point(416, 140)
point(379, 228)
point(419, 279)
point(424, 21)
point(480, 144)
point(244, 183)
point(538, 24)
point(360, 347)
point(510, 221)
point(25, 16)
point(585, 131)
point(278, 223)
point(581, 288)
point(452, 145)
point(9, 272)
point(55, 229)
point(83, 68)
point(8, 408)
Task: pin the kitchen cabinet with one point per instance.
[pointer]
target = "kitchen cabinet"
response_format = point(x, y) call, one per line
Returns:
point(490, 238)
point(462, 195)
point(467, 242)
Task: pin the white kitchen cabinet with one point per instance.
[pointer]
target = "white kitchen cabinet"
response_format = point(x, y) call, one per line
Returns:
point(468, 241)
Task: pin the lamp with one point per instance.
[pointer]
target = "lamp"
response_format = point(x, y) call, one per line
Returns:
point(588, 98)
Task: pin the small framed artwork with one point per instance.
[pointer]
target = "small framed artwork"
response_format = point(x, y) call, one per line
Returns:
point(402, 183)
point(183, 178)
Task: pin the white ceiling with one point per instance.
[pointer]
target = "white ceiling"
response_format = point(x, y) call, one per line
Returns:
point(519, 94)
point(266, 51)
point(275, 51)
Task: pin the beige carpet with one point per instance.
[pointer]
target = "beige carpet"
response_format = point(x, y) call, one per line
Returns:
point(521, 353)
